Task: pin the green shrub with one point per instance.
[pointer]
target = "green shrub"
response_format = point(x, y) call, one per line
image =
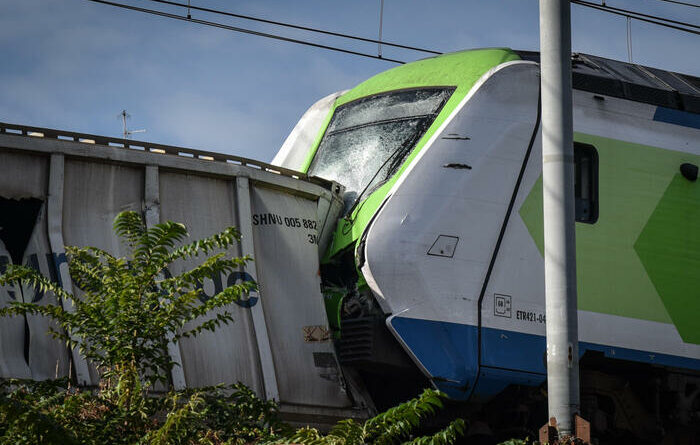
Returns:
point(390, 427)
point(130, 308)
point(52, 413)
point(128, 311)
point(221, 414)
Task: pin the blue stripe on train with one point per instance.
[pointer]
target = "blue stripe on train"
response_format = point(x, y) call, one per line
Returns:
point(677, 117)
point(448, 352)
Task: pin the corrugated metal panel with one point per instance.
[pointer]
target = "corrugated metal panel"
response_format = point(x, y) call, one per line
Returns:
point(80, 369)
point(12, 334)
point(23, 175)
point(94, 194)
point(285, 235)
point(25, 349)
point(207, 206)
point(48, 358)
point(278, 344)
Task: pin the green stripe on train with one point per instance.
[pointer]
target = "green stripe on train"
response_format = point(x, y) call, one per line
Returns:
point(641, 259)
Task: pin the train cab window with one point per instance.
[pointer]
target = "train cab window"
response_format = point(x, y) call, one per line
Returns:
point(368, 140)
point(586, 182)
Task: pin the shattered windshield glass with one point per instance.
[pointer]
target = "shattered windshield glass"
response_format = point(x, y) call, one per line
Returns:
point(367, 140)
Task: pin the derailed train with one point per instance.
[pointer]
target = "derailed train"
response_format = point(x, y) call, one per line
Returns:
point(438, 265)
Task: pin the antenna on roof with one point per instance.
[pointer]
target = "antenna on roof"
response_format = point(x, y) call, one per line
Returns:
point(127, 133)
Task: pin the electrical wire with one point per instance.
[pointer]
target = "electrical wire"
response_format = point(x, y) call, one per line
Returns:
point(681, 3)
point(627, 11)
point(243, 30)
point(641, 17)
point(612, 10)
point(293, 26)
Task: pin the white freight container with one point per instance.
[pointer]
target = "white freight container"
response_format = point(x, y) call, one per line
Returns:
point(60, 188)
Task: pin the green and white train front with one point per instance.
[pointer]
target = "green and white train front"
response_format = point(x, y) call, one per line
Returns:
point(439, 158)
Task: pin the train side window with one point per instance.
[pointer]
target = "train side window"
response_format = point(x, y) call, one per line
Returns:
point(586, 182)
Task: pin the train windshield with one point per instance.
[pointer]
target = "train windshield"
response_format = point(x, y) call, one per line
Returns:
point(367, 140)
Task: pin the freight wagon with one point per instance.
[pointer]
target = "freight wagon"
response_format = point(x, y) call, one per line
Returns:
point(60, 188)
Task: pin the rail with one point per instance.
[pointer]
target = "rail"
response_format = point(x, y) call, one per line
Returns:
point(150, 147)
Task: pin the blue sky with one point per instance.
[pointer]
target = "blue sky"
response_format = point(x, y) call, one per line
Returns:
point(74, 65)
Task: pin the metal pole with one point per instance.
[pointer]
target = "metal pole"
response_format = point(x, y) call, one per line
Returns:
point(381, 22)
point(123, 114)
point(559, 213)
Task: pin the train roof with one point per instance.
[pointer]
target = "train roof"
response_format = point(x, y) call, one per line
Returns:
point(630, 81)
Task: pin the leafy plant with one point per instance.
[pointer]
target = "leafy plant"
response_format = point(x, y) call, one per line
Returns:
point(221, 414)
point(390, 427)
point(52, 413)
point(25, 413)
point(130, 308)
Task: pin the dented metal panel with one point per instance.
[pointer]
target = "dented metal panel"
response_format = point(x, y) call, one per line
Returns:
point(25, 349)
point(278, 344)
point(151, 211)
point(12, 333)
point(54, 205)
point(207, 206)
point(245, 225)
point(94, 194)
point(24, 175)
point(285, 232)
point(47, 357)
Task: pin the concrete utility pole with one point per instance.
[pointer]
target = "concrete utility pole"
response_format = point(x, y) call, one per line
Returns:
point(559, 213)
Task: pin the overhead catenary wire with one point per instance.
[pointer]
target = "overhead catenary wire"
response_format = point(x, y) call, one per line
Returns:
point(692, 5)
point(299, 27)
point(627, 11)
point(243, 30)
point(604, 7)
point(642, 17)
point(660, 21)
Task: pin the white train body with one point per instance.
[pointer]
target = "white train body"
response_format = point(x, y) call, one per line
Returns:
point(450, 245)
